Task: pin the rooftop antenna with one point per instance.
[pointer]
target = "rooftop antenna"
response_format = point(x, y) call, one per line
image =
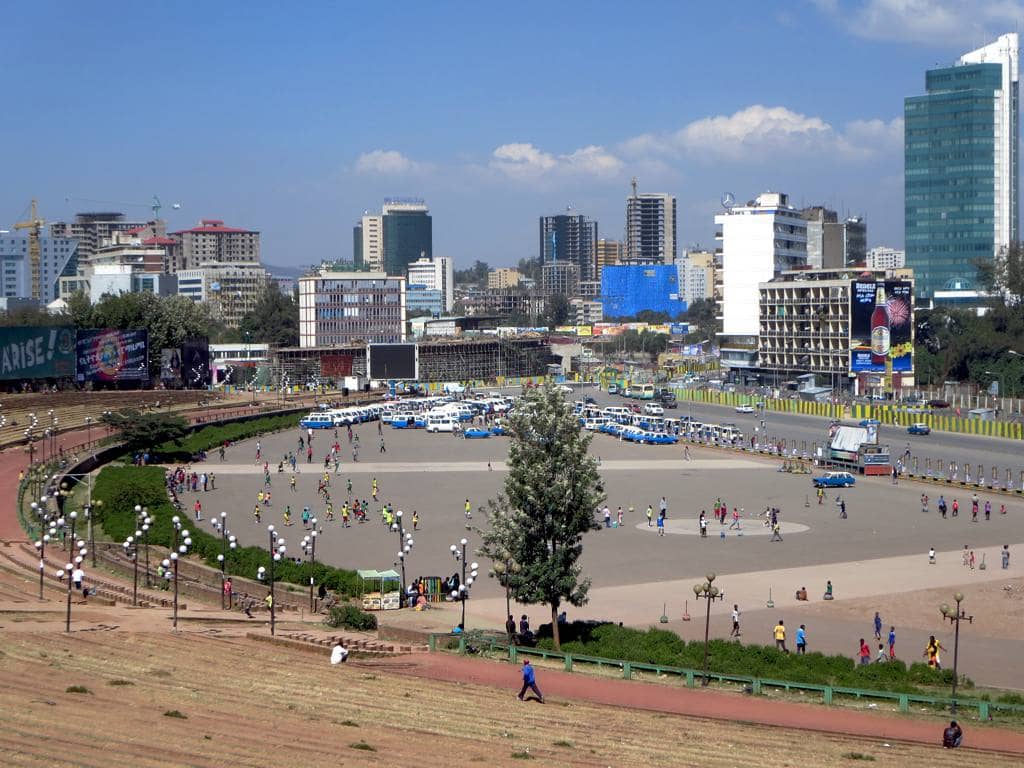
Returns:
point(633, 184)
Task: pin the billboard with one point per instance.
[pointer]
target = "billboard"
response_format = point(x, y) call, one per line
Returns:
point(881, 326)
point(111, 355)
point(388, 362)
point(46, 352)
point(335, 366)
point(195, 363)
point(170, 368)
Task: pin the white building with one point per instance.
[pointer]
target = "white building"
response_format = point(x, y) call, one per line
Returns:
point(758, 241)
point(231, 290)
point(586, 311)
point(370, 234)
point(696, 276)
point(57, 254)
point(338, 308)
point(436, 274)
point(884, 257)
point(116, 279)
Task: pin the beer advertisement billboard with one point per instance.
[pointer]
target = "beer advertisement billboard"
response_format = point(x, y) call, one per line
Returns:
point(881, 326)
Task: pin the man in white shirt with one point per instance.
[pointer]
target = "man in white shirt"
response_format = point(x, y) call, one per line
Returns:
point(339, 654)
point(77, 576)
point(735, 621)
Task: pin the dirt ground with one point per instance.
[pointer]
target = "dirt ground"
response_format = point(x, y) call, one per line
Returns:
point(112, 698)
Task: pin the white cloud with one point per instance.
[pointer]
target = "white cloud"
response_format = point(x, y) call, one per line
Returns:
point(758, 132)
point(967, 23)
point(525, 161)
point(385, 162)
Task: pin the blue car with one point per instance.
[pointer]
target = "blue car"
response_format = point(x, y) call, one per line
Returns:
point(919, 428)
point(476, 433)
point(834, 480)
point(869, 422)
point(498, 431)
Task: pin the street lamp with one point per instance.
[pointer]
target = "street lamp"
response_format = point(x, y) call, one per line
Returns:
point(89, 505)
point(462, 593)
point(143, 520)
point(131, 549)
point(277, 549)
point(710, 592)
point(88, 429)
point(182, 542)
point(227, 541)
point(955, 615)
point(309, 550)
point(45, 536)
point(405, 544)
point(69, 569)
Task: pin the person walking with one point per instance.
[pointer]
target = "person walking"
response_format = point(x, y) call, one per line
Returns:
point(650, 515)
point(1005, 554)
point(530, 682)
point(942, 506)
point(735, 519)
point(842, 509)
point(801, 640)
point(735, 621)
point(663, 507)
point(776, 531)
point(865, 652)
point(988, 510)
point(892, 643)
point(468, 510)
point(661, 525)
point(878, 626)
point(956, 508)
point(780, 636)
point(607, 513)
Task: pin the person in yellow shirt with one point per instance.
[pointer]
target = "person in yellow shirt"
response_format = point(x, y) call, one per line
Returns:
point(780, 636)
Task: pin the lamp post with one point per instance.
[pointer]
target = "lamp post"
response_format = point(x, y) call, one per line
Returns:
point(131, 549)
point(405, 545)
point(88, 430)
point(503, 570)
point(277, 549)
point(309, 550)
point(462, 593)
point(182, 542)
point(44, 537)
point(227, 541)
point(954, 615)
point(710, 592)
point(143, 521)
point(69, 568)
point(91, 505)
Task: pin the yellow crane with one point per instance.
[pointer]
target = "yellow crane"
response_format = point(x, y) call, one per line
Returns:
point(34, 226)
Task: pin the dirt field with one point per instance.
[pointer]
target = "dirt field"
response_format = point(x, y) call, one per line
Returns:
point(248, 704)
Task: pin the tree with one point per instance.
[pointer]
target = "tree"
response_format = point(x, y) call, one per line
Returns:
point(475, 275)
point(1003, 275)
point(31, 316)
point(703, 313)
point(145, 431)
point(530, 268)
point(551, 491)
point(556, 310)
point(274, 320)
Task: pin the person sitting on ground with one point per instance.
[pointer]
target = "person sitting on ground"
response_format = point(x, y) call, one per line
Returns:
point(801, 594)
point(458, 630)
point(952, 736)
point(339, 653)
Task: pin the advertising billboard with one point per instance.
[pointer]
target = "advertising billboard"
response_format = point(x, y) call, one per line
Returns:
point(881, 326)
point(46, 352)
point(195, 363)
point(170, 368)
point(390, 362)
point(110, 355)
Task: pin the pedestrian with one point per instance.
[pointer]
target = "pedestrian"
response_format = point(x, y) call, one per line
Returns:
point(878, 626)
point(881, 657)
point(77, 578)
point(213, 482)
point(607, 513)
point(892, 642)
point(956, 508)
point(735, 621)
point(382, 448)
point(842, 509)
point(650, 515)
point(865, 652)
point(620, 516)
point(924, 502)
point(661, 525)
point(1005, 554)
point(198, 508)
point(801, 640)
point(777, 531)
point(828, 590)
point(932, 652)
point(663, 507)
point(468, 509)
point(931, 556)
point(1002, 509)
point(780, 636)
point(988, 509)
point(339, 654)
point(703, 526)
point(971, 560)
point(942, 506)
point(530, 682)
point(229, 592)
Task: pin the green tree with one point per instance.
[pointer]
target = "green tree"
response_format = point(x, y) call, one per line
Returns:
point(474, 275)
point(556, 310)
point(31, 316)
point(551, 491)
point(274, 320)
point(703, 314)
point(144, 431)
point(530, 268)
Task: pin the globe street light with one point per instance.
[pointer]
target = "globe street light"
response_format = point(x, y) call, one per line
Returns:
point(144, 521)
point(955, 615)
point(42, 512)
point(405, 544)
point(309, 550)
point(277, 549)
point(227, 541)
point(182, 543)
point(462, 593)
point(131, 549)
point(69, 569)
point(710, 592)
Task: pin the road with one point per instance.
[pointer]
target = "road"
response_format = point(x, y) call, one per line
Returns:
point(944, 446)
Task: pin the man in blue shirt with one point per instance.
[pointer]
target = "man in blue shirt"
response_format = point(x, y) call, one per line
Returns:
point(530, 682)
point(801, 639)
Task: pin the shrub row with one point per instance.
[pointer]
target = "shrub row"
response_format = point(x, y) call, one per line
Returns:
point(210, 437)
point(658, 646)
point(121, 488)
point(350, 617)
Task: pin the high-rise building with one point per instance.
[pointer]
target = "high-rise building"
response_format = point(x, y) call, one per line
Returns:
point(961, 167)
point(607, 253)
point(570, 238)
point(337, 308)
point(651, 231)
point(92, 230)
point(560, 277)
point(213, 243)
point(436, 274)
point(758, 241)
point(230, 289)
point(696, 275)
point(883, 257)
point(55, 254)
point(831, 243)
point(503, 277)
point(368, 243)
point(407, 234)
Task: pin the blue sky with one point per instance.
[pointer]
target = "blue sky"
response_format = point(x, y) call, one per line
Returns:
point(295, 118)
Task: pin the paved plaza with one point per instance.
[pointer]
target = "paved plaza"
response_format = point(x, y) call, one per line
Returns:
point(879, 551)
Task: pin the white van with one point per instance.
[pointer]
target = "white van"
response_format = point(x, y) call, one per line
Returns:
point(441, 423)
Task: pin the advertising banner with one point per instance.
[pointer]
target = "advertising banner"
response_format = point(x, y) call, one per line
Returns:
point(583, 330)
point(335, 366)
point(170, 368)
point(46, 352)
point(195, 362)
point(679, 329)
point(881, 326)
point(110, 355)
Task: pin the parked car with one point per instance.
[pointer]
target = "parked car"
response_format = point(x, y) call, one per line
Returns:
point(744, 409)
point(834, 480)
point(613, 389)
point(938, 404)
point(919, 428)
point(653, 409)
point(476, 432)
point(869, 422)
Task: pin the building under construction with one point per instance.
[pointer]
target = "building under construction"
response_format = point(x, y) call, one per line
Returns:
point(483, 358)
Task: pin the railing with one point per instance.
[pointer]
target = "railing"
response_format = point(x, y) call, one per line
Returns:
point(755, 684)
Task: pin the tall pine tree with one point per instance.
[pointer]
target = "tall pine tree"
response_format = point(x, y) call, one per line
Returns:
point(551, 491)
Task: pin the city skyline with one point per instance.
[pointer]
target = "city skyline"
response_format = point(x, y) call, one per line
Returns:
point(276, 118)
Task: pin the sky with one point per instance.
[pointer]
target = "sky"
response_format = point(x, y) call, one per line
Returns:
point(295, 118)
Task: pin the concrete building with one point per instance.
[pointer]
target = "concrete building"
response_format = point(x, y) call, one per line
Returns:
point(419, 299)
point(231, 290)
point(831, 243)
point(961, 168)
point(607, 253)
point(115, 279)
point(368, 243)
point(588, 289)
point(57, 255)
point(503, 277)
point(651, 230)
point(884, 257)
point(758, 241)
point(337, 308)
point(559, 277)
point(570, 238)
point(505, 302)
point(696, 275)
point(586, 311)
point(211, 242)
point(407, 231)
point(437, 273)
point(93, 229)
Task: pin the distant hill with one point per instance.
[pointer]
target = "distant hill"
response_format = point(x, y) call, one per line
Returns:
point(293, 272)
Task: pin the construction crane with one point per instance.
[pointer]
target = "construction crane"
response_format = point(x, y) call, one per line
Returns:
point(34, 225)
point(154, 205)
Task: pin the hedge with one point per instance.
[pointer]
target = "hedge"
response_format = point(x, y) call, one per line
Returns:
point(121, 488)
point(210, 437)
point(658, 646)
